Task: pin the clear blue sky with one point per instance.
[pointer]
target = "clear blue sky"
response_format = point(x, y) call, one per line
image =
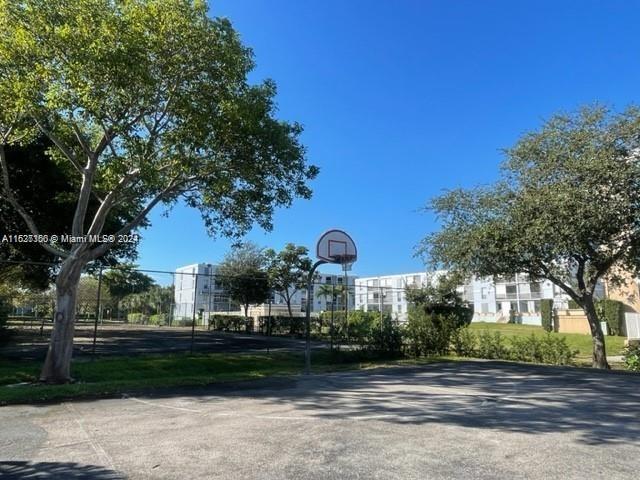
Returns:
point(403, 99)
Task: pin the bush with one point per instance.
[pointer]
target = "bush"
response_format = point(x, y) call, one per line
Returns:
point(631, 357)
point(159, 319)
point(281, 325)
point(430, 333)
point(525, 349)
point(612, 312)
point(138, 318)
point(549, 349)
point(491, 345)
point(227, 323)
point(546, 313)
point(387, 339)
point(464, 342)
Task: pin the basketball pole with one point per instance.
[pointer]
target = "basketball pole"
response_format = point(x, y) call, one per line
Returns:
point(307, 349)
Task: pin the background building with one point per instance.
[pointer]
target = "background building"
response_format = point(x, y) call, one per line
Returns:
point(387, 292)
point(209, 296)
point(500, 298)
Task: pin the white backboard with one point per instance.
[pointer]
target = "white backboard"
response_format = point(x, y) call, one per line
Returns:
point(336, 246)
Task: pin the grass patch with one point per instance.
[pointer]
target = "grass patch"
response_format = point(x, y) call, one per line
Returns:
point(109, 376)
point(576, 341)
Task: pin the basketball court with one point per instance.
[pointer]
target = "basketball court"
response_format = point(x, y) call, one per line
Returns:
point(445, 420)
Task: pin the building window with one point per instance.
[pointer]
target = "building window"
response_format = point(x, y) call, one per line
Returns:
point(483, 294)
point(535, 288)
point(511, 290)
point(399, 296)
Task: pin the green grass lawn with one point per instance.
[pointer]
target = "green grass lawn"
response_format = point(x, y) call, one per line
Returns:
point(576, 341)
point(112, 375)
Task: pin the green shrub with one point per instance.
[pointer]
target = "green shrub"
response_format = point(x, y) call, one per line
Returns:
point(227, 323)
point(137, 318)
point(430, 333)
point(631, 357)
point(573, 305)
point(387, 339)
point(159, 319)
point(546, 313)
point(464, 342)
point(549, 349)
point(611, 312)
point(491, 345)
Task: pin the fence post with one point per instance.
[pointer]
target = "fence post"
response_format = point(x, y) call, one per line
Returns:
point(193, 323)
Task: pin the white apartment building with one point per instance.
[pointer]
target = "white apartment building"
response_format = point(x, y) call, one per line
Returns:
point(321, 302)
point(387, 292)
point(517, 298)
point(207, 294)
point(210, 297)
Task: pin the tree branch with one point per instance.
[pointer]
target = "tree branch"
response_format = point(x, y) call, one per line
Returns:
point(137, 220)
point(20, 209)
point(569, 291)
point(58, 143)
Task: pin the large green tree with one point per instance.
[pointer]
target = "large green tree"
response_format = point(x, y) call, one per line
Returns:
point(45, 187)
point(243, 274)
point(288, 271)
point(148, 102)
point(566, 209)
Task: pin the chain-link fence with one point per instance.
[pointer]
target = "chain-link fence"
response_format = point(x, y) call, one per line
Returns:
point(342, 310)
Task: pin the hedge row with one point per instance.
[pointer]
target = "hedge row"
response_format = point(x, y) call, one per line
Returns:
point(549, 348)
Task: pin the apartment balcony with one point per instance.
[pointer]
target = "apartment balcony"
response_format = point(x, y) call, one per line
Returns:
point(520, 296)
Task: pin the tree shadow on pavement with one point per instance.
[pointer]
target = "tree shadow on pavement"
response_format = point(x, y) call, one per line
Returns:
point(598, 407)
point(56, 470)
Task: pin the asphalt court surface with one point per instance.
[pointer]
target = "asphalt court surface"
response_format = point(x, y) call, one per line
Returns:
point(137, 340)
point(471, 420)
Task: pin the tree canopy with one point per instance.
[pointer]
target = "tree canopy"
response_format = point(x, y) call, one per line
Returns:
point(148, 103)
point(288, 270)
point(243, 275)
point(567, 208)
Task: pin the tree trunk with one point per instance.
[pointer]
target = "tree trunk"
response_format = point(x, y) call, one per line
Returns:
point(57, 365)
point(292, 327)
point(599, 349)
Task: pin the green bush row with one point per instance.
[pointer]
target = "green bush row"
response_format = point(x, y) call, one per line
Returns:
point(143, 319)
point(549, 348)
point(227, 323)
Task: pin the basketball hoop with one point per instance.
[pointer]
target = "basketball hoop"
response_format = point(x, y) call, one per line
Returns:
point(336, 246)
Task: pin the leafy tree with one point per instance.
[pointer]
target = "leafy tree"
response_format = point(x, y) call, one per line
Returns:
point(87, 302)
point(436, 314)
point(124, 281)
point(154, 300)
point(147, 103)
point(46, 188)
point(288, 271)
point(243, 275)
point(566, 209)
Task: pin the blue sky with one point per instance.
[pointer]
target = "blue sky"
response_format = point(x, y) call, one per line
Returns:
point(401, 100)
